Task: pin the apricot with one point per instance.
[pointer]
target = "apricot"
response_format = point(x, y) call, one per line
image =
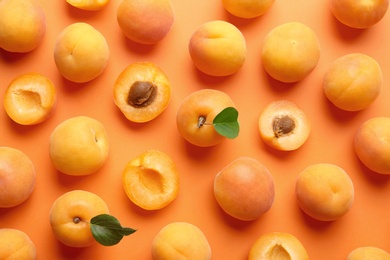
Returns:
point(81, 53)
point(368, 252)
point(79, 146)
point(145, 21)
point(142, 91)
point(196, 113)
point(88, 5)
point(359, 14)
point(22, 25)
point(180, 240)
point(17, 177)
point(290, 52)
point(283, 126)
point(16, 244)
point(278, 245)
point(247, 8)
point(244, 189)
point(353, 81)
point(30, 99)
point(151, 180)
point(324, 191)
point(372, 144)
point(218, 48)
point(71, 214)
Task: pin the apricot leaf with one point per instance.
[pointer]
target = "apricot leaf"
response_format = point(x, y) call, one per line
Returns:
point(226, 124)
point(107, 230)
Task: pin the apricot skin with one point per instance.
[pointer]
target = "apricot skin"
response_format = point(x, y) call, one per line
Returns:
point(247, 8)
point(16, 244)
point(372, 144)
point(244, 189)
point(368, 252)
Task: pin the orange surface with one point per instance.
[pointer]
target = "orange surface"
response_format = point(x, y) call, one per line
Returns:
point(367, 223)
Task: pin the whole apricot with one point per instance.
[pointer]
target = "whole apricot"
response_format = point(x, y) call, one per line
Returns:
point(71, 214)
point(151, 180)
point(324, 191)
point(22, 25)
point(81, 53)
point(372, 144)
point(218, 48)
point(79, 146)
point(142, 91)
point(88, 5)
point(278, 245)
point(359, 14)
point(353, 81)
point(368, 252)
point(17, 177)
point(30, 99)
point(145, 21)
point(290, 52)
point(16, 244)
point(247, 8)
point(196, 113)
point(180, 240)
point(244, 189)
point(283, 126)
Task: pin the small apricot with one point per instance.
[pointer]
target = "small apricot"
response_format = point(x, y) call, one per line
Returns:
point(368, 252)
point(353, 81)
point(142, 91)
point(247, 8)
point(151, 180)
point(16, 244)
point(283, 126)
point(88, 5)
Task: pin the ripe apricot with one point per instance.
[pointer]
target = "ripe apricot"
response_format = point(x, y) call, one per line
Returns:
point(359, 14)
point(372, 144)
point(278, 245)
point(16, 244)
point(196, 113)
point(180, 240)
point(17, 177)
point(151, 180)
point(283, 126)
point(244, 189)
point(247, 8)
point(142, 91)
point(145, 21)
point(30, 99)
point(290, 52)
point(88, 5)
point(71, 214)
point(324, 191)
point(353, 81)
point(368, 252)
point(218, 48)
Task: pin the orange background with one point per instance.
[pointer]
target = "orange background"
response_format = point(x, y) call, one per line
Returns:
point(330, 141)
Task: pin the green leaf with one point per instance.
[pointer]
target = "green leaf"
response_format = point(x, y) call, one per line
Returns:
point(226, 124)
point(107, 230)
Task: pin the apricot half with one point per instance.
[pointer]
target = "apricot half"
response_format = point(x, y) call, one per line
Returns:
point(372, 144)
point(324, 191)
point(283, 126)
point(151, 180)
point(353, 81)
point(30, 99)
point(142, 91)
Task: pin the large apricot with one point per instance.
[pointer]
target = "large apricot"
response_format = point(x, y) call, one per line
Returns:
point(247, 8)
point(16, 244)
point(368, 252)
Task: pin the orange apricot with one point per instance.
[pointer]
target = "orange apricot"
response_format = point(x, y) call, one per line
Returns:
point(372, 144)
point(30, 99)
point(247, 8)
point(151, 180)
point(353, 81)
point(142, 91)
point(16, 244)
point(88, 5)
point(368, 252)
point(283, 126)
point(244, 189)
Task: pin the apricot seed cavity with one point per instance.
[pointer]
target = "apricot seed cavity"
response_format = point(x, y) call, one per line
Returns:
point(283, 125)
point(142, 94)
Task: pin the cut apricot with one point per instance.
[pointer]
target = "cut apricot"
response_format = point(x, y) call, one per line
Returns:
point(142, 92)
point(283, 126)
point(151, 180)
point(30, 99)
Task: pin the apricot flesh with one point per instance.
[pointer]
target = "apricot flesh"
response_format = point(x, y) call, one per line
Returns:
point(16, 244)
point(151, 180)
point(142, 91)
point(244, 189)
point(283, 126)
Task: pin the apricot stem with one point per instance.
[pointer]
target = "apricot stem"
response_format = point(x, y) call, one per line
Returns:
point(76, 220)
point(202, 121)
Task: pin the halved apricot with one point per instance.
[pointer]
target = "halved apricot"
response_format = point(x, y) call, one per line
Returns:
point(142, 91)
point(283, 126)
point(151, 180)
